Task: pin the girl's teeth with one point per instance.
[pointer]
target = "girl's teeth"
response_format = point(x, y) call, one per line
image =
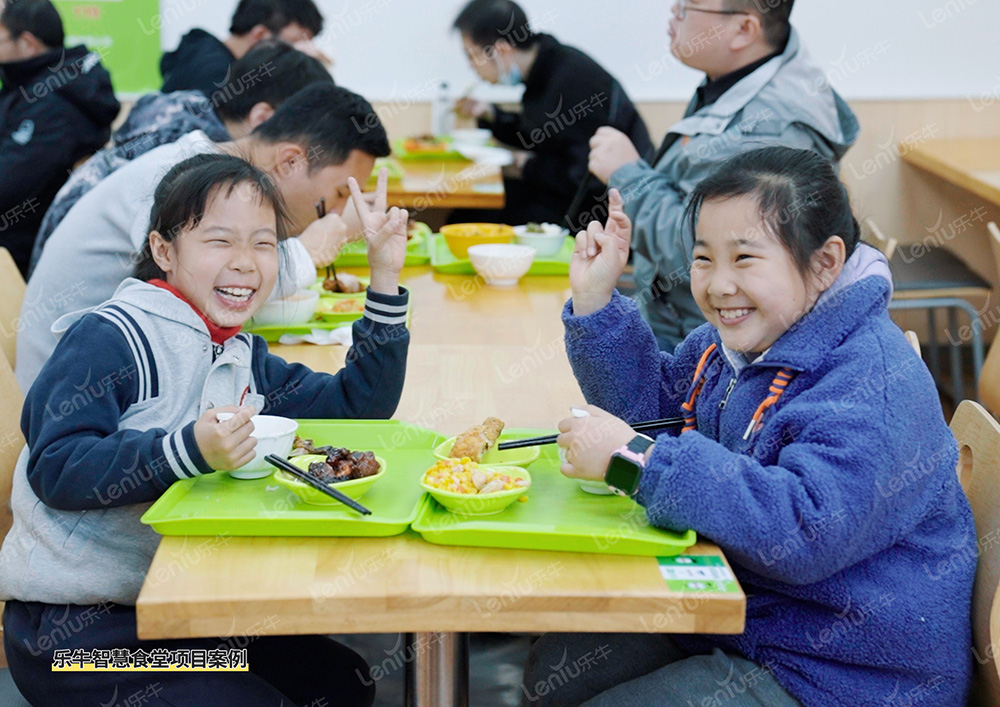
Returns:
point(235, 292)
point(734, 313)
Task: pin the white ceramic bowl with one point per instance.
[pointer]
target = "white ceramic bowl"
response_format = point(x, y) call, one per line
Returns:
point(501, 264)
point(547, 244)
point(598, 488)
point(472, 136)
point(294, 309)
point(274, 435)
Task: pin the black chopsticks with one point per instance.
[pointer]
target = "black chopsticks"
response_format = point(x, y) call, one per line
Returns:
point(551, 439)
point(285, 465)
point(331, 270)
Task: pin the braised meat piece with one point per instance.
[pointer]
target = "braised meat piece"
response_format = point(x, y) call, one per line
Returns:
point(365, 464)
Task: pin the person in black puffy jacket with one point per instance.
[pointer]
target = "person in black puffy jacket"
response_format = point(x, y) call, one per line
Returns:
point(56, 107)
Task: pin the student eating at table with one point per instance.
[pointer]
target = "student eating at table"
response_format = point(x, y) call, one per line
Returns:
point(204, 63)
point(567, 97)
point(761, 88)
point(814, 453)
point(77, 553)
point(264, 78)
point(310, 147)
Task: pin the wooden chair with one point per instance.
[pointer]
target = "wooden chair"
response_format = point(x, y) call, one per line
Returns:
point(978, 436)
point(11, 297)
point(935, 280)
point(872, 235)
point(989, 380)
point(11, 444)
point(911, 336)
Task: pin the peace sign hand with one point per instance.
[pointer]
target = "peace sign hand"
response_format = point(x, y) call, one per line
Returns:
point(600, 258)
point(384, 232)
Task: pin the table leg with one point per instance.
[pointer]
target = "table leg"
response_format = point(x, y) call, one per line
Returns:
point(438, 674)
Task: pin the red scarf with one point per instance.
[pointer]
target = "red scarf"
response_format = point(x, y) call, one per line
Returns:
point(219, 334)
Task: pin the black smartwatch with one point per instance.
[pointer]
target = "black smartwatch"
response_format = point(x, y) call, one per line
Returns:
point(625, 469)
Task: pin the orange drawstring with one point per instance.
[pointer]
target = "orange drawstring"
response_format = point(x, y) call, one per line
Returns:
point(697, 383)
point(777, 389)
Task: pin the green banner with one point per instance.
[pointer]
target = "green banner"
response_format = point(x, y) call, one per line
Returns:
point(126, 33)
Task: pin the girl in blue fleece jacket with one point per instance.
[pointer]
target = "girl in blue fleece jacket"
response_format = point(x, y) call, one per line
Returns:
point(128, 405)
point(815, 454)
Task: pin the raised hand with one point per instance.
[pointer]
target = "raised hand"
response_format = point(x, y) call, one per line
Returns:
point(599, 258)
point(384, 232)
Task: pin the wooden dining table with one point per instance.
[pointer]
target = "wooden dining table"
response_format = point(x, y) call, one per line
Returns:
point(475, 351)
point(972, 164)
point(447, 184)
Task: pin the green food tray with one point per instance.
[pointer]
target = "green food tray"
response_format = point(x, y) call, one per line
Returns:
point(400, 153)
point(271, 334)
point(355, 255)
point(558, 515)
point(395, 170)
point(218, 504)
point(444, 261)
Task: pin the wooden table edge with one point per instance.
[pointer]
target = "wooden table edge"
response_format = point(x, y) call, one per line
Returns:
point(934, 165)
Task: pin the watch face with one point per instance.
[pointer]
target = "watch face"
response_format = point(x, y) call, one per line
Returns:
point(623, 474)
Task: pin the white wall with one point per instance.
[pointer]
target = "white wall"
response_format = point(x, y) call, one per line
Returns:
point(872, 49)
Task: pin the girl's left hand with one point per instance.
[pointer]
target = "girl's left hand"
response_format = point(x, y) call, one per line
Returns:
point(385, 233)
point(590, 441)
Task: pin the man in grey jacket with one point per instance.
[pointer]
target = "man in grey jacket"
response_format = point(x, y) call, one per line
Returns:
point(761, 89)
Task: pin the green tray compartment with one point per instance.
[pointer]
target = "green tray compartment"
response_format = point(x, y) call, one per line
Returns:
point(558, 515)
point(401, 153)
point(355, 255)
point(444, 261)
point(218, 504)
point(271, 334)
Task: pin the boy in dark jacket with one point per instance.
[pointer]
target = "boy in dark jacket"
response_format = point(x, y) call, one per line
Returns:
point(56, 106)
point(203, 63)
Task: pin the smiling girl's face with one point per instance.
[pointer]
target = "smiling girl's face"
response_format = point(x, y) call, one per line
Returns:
point(227, 264)
point(745, 281)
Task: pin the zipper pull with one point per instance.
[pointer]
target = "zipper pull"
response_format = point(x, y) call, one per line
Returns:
point(729, 389)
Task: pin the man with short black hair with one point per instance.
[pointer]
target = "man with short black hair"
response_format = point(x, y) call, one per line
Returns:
point(56, 106)
point(263, 79)
point(203, 63)
point(761, 89)
point(567, 97)
point(309, 147)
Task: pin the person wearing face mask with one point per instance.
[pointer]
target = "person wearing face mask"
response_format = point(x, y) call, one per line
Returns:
point(567, 97)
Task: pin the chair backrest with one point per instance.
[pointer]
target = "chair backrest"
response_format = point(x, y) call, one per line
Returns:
point(872, 234)
point(911, 336)
point(978, 436)
point(11, 439)
point(989, 378)
point(11, 297)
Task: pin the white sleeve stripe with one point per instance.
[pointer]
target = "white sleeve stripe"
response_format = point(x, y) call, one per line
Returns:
point(385, 308)
point(146, 363)
point(134, 347)
point(385, 320)
point(172, 461)
point(189, 465)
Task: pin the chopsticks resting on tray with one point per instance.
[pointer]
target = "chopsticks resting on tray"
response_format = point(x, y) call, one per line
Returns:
point(551, 439)
point(331, 271)
point(286, 465)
